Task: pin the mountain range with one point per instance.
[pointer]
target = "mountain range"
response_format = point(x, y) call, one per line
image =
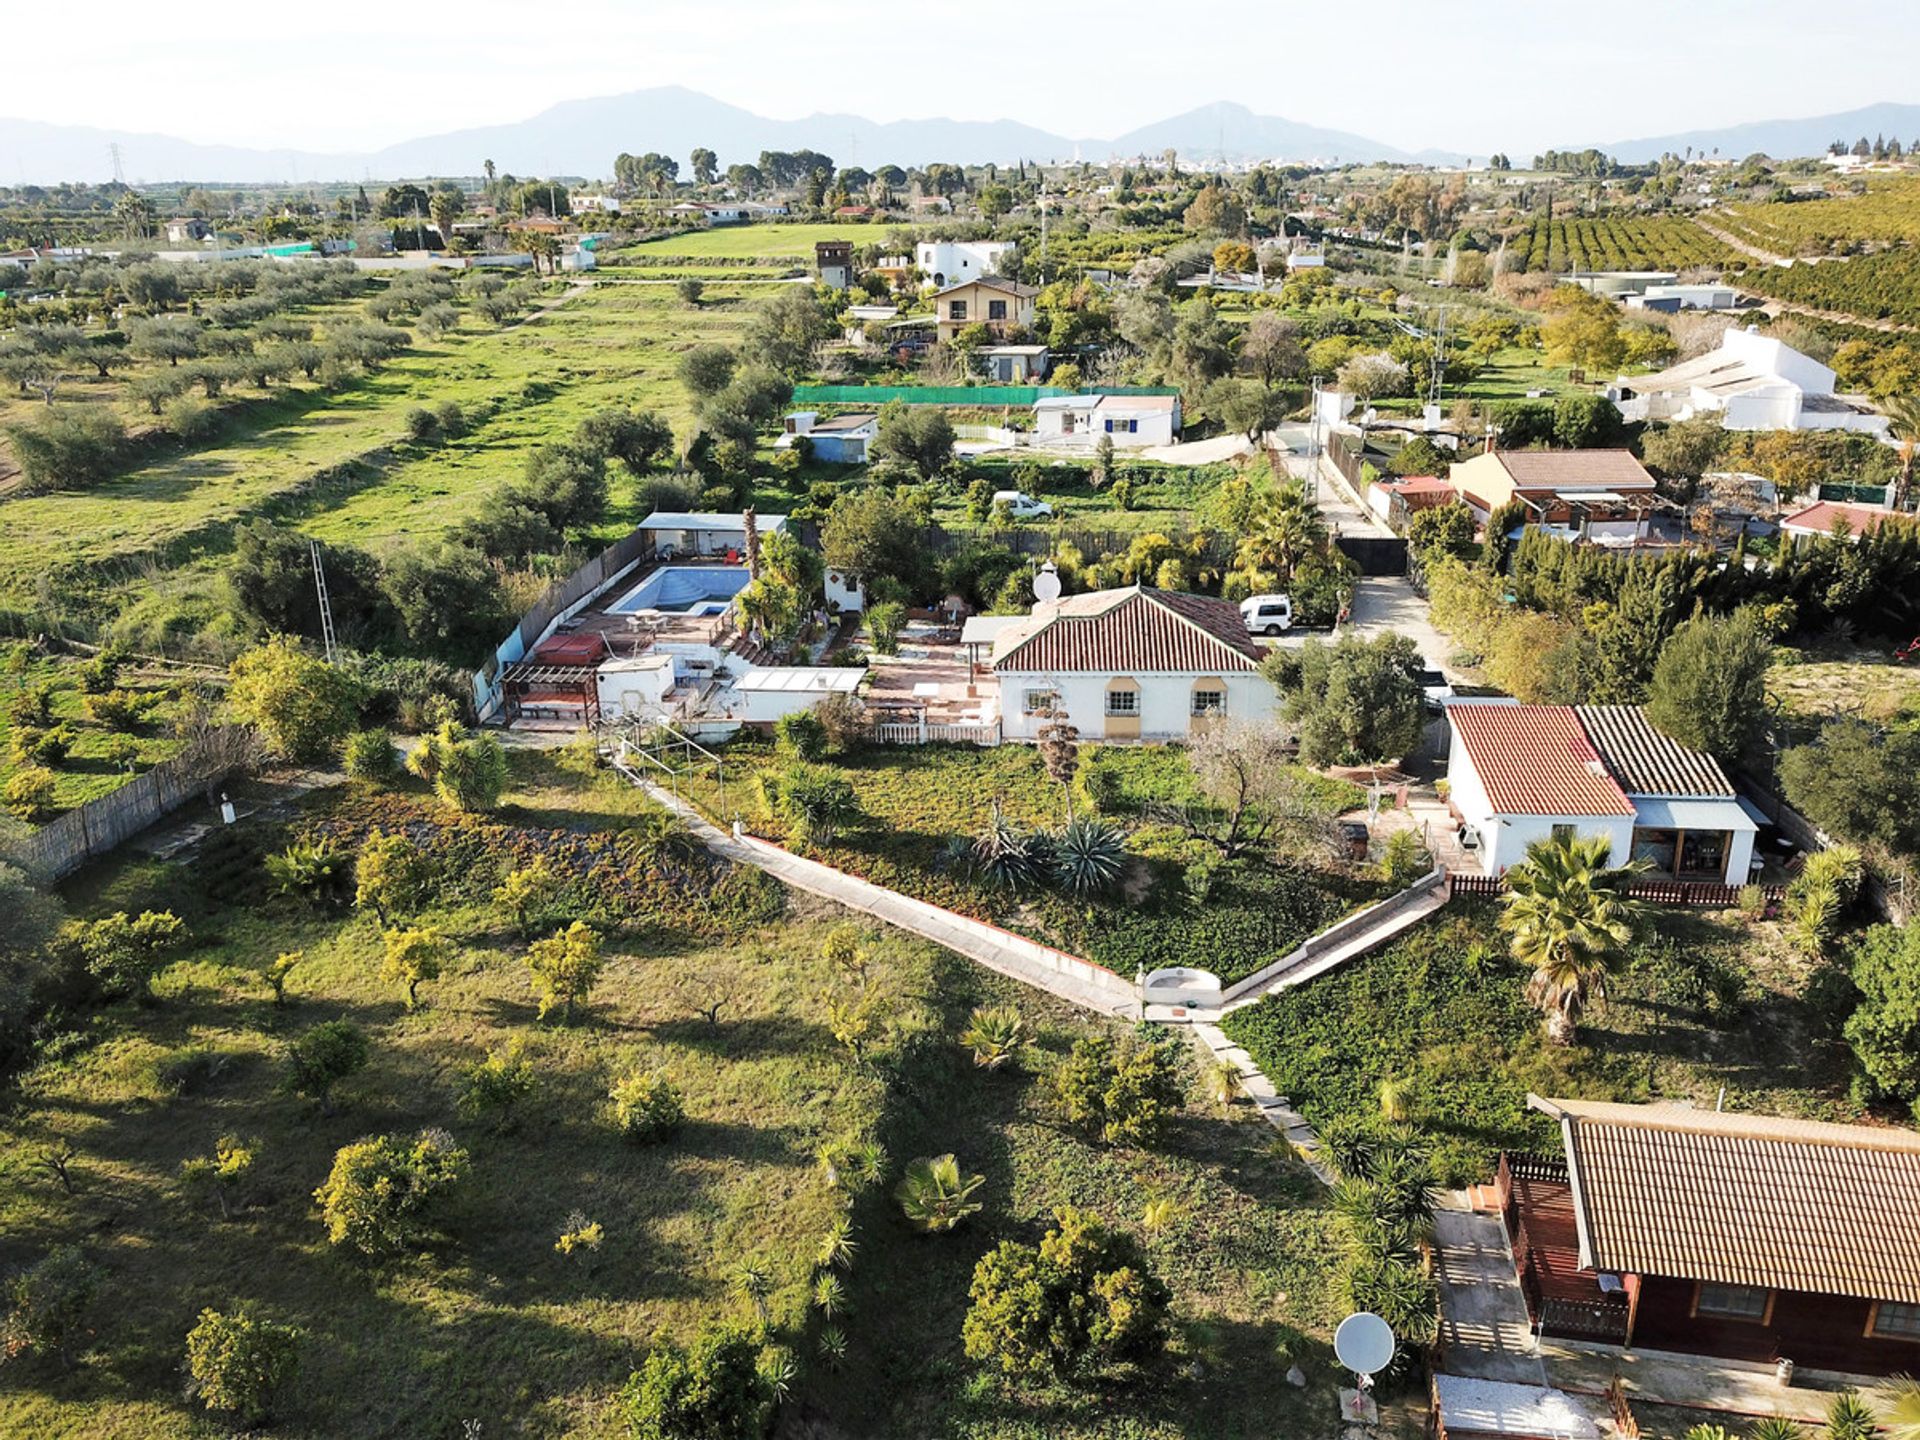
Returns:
point(581, 137)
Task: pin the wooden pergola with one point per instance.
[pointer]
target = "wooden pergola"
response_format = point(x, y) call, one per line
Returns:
point(530, 685)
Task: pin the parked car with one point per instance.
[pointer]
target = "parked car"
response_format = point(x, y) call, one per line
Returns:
point(1023, 505)
point(1267, 614)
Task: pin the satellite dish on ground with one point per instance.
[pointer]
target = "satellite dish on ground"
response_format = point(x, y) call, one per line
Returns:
point(1364, 1344)
point(1046, 585)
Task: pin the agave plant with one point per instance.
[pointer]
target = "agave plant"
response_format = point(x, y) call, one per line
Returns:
point(994, 1032)
point(318, 870)
point(778, 1371)
point(1902, 1413)
point(833, 1346)
point(935, 1196)
point(1088, 856)
point(1850, 1418)
point(1776, 1427)
point(1007, 857)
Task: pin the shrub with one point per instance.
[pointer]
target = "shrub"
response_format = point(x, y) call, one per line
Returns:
point(528, 893)
point(1884, 1029)
point(31, 705)
point(712, 1390)
point(935, 1196)
point(303, 706)
point(468, 772)
point(223, 1174)
point(451, 419)
point(884, 622)
point(47, 1303)
point(371, 758)
point(646, 1106)
point(318, 870)
point(68, 447)
point(237, 1363)
point(102, 672)
point(422, 425)
point(1082, 1300)
point(393, 876)
point(815, 801)
point(1402, 862)
point(801, 734)
point(323, 1057)
point(41, 747)
point(382, 1194)
point(125, 953)
point(564, 967)
point(993, 1033)
point(412, 958)
point(29, 795)
point(492, 1088)
point(1124, 1093)
point(843, 718)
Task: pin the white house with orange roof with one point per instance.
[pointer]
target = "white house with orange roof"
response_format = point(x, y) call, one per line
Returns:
point(1518, 774)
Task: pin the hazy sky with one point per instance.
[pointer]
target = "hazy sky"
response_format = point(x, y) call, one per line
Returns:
point(1471, 75)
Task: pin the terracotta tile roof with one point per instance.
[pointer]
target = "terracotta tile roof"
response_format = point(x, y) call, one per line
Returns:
point(1536, 760)
point(1644, 761)
point(1574, 469)
point(1818, 518)
point(1131, 631)
point(1744, 1199)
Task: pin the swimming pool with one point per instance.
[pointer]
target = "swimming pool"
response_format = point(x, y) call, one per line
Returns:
point(684, 590)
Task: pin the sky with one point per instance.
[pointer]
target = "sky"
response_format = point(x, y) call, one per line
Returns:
point(1467, 75)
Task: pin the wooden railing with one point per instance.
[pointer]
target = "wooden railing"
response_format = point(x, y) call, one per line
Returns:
point(1604, 1320)
point(1624, 1425)
point(1656, 892)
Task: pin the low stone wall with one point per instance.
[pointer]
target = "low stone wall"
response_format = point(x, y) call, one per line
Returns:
point(1337, 934)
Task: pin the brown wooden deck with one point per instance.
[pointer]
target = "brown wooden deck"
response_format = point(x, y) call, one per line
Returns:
point(1562, 1298)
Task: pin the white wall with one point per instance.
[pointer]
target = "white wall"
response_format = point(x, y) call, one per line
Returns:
point(957, 260)
point(1504, 838)
point(1166, 702)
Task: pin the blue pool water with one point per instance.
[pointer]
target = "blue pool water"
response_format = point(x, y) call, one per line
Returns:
point(684, 589)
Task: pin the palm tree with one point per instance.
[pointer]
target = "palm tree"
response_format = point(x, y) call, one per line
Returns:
point(1903, 423)
point(1287, 529)
point(135, 213)
point(1569, 917)
point(1901, 1414)
point(935, 1196)
point(752, 1282)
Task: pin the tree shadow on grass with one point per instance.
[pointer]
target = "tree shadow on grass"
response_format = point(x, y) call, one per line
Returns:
point(749, 1037)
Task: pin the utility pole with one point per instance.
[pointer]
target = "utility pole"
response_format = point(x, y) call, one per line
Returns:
point(326, 604)
point(1043, 225)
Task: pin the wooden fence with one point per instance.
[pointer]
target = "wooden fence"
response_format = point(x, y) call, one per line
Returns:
point(64, 844)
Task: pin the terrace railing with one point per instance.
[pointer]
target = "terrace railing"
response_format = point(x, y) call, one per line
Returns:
point(1710, 894)
point(929, 732)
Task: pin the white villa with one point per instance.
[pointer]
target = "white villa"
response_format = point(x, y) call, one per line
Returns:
point(1131, 421)
point(1129, 664)
point(948, 262)
point(1521, 773)
point(1752, 382)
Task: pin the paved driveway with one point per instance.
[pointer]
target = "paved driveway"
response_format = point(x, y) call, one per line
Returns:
point(1383, 603)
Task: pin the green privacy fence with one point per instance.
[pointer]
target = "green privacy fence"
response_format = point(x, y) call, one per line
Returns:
point(1853, 494)
point(957, 394)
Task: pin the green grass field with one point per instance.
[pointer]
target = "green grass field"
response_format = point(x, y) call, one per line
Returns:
point(492, 1324)
point(338, 465)
point(775, 241)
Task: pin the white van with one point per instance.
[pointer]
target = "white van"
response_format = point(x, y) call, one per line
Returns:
point(1023, 505)
point(1267, 614)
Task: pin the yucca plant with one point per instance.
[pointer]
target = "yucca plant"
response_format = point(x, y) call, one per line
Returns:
point(994, 1032)
point(853, 1166)
point(1089, 855)
point(833, 1346)
point(837, 1246)
point(1902, 1413)
point(752, 1282)
point(778, 1371)
point(1776, 1427)
point(1850, 1418)
point(1007, 857)
point(829, 1294)
point(935, 1196)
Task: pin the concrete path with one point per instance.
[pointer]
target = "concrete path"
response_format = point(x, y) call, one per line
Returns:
point(1484, 1332)
point(1372, 938)
point(1274, 1108)
point(1015, 956)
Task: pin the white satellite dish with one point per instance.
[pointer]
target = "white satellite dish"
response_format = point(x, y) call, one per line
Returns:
point(1046, 585)
point(1364, 1344)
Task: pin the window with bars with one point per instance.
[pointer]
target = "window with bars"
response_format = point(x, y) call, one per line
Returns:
point(1123, 702)
point(1209, 702)
point(1039, 702)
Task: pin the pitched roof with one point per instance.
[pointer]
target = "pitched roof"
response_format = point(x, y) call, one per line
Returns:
point(1744, 1199)
point(1646, 762)
point(994, 282)
point(1574, 469)
point(1819, 518)
point(1130, 631)
point(1536, 760)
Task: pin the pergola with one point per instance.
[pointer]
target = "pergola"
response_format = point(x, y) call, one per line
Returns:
point(533, 686)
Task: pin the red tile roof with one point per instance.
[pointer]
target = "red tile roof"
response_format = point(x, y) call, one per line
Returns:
point(1819, 518)
point(1536, 760)
point(1744, 1199)
point(1131, 631)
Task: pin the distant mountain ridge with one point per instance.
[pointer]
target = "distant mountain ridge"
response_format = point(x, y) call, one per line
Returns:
point(581, 137)
point(1780, 139)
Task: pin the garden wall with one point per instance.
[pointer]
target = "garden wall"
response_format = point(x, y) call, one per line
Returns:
point(63, 845)
point(1338, 934)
